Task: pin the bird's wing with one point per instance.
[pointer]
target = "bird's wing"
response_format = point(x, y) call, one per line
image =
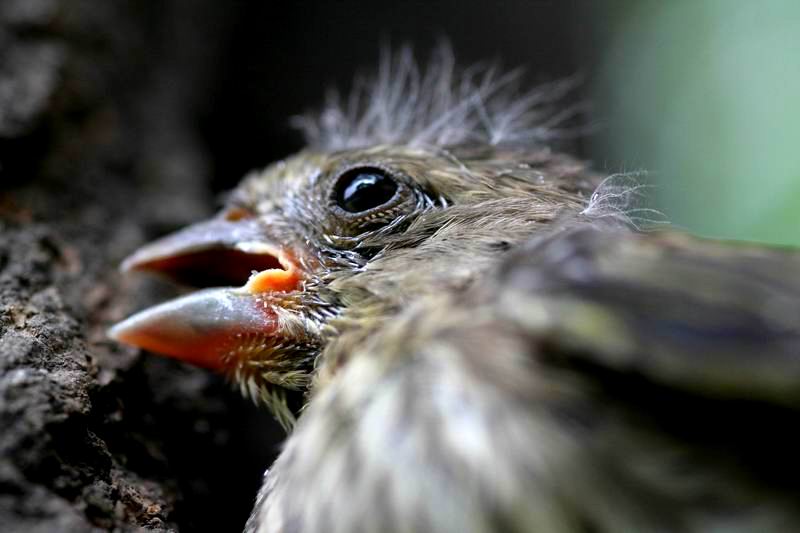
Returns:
point(596, 381)
point(686, 356)
point(713, 318)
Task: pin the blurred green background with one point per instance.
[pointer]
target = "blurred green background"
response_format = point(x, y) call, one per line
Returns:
point(705, 95)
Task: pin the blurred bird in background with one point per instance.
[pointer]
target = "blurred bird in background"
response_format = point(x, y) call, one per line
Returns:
point(465, 331)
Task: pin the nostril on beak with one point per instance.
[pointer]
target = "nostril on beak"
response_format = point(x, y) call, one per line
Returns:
point(235, 214)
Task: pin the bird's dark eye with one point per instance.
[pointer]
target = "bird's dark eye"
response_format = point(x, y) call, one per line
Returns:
point(362, 189)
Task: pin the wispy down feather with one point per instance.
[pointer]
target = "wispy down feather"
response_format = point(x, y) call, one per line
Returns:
point(439, 105)
point(621, 198)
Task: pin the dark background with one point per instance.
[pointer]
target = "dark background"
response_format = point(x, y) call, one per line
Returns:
point(273, 60)
point(123, 120)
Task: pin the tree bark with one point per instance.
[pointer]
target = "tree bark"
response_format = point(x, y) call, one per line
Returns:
point(97, 155)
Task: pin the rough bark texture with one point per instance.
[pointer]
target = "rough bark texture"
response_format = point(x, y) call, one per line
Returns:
point(97, 155)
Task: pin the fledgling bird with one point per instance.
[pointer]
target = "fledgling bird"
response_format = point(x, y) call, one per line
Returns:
point(475, 334)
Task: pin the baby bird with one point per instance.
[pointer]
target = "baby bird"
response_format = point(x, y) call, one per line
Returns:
point(464, 331)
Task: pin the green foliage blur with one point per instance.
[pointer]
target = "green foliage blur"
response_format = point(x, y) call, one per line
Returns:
point(705, 94)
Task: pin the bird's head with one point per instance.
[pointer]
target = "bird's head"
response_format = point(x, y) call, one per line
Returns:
point(312, 253)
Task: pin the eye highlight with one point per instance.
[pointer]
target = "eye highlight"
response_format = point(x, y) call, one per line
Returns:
point(362, 189)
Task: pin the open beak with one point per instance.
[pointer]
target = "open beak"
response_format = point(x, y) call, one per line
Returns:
point(209, 327)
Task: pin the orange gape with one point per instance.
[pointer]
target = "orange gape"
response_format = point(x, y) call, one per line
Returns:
point(274, 280)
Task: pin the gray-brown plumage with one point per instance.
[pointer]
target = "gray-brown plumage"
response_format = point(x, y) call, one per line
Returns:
point(480, 339)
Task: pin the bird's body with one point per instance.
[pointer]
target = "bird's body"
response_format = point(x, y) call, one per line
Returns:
point(476, 337)
point(576, 389)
